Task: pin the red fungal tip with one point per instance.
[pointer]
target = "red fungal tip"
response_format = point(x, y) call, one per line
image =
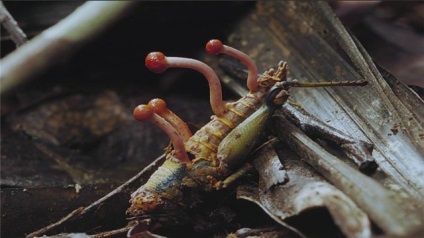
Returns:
point(158, 105)
point(214, 47)
point(143, 112)
point(156, 62)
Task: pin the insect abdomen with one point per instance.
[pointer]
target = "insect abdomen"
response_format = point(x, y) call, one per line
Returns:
point(204, 143)
point(162, 190)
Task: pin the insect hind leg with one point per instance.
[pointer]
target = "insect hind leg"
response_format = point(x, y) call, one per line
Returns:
point(358, 151)
point(240, 172)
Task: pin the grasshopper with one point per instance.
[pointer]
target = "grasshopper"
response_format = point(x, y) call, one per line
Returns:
point(215, 155)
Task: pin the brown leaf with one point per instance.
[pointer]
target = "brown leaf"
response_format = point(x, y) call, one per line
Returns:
point(304, 189)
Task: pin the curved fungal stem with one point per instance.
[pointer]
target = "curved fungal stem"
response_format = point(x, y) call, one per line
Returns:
point(159, 107)
point(216, 47)
point(146, 113)
point(157, 62)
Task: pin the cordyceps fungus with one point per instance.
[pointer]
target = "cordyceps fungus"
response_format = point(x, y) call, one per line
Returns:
point(159, 107)
point(216, 155)
point(146, 113)
point(216, 47)
point(157, 62)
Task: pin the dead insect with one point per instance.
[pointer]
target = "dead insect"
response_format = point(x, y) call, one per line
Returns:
point(216, 154)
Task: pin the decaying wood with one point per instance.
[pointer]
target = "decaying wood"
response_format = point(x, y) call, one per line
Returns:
point(302, 189)
point(312, 58)
point(370, 113)
point(395, 214)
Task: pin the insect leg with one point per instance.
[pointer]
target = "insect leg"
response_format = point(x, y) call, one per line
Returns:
point(360, 152)
point(240, 172)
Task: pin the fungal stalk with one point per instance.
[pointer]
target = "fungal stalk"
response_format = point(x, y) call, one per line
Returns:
point(146, 113)
point(159, 107)
point(157, 62)
point(216, 47)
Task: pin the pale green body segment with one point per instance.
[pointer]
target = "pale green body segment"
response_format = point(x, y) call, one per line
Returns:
point(234, 148)
point(169, 175)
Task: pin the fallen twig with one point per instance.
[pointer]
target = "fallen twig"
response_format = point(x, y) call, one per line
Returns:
point(81, 210)
point(16, 33)
point(55, 44)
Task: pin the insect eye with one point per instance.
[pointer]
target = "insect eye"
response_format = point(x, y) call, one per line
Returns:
point(277, 95)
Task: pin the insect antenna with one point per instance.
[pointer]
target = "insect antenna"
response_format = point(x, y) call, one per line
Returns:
point(278, 94)
point(295, 83)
